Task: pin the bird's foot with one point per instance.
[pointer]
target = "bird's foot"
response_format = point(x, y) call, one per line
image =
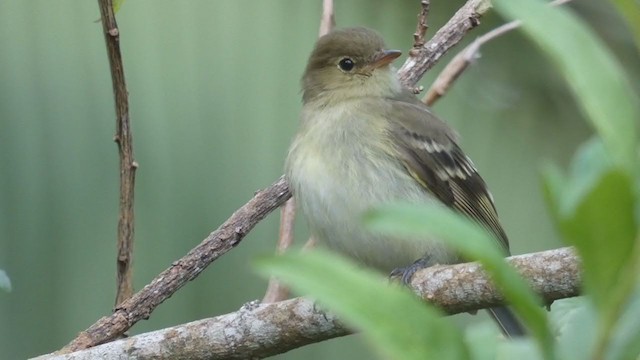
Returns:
point(406, 273)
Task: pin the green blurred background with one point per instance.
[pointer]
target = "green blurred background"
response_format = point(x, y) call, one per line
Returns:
point(214, 91)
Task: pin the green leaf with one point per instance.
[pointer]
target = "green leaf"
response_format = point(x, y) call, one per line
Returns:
point(482, 340)
point(473, 242)
point(595, 76)
point(5, 282)
point(630, 11)
point(576, 320)
point(626, 341)
point(603, 229)
point(116, 5)
point(589, 164)
point(392, 318)
point(595, 210)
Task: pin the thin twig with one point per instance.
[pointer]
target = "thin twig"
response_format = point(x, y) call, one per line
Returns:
point(328, 20)
point(422, 59)
point(276, 291)
point(464, 58)
point(225, 238)
point(260, 330)
point(422, 26)
point(461, 61)
point(124, 139)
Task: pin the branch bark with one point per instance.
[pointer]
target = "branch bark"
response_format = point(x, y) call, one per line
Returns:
point(425, 57)
point(225, 238)
point(260, 330)
point(277, 291)
point(464, 58)
point(124, 139)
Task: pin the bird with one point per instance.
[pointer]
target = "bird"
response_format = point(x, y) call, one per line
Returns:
point(364, 140)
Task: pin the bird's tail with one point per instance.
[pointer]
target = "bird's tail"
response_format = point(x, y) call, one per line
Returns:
point(509, 324)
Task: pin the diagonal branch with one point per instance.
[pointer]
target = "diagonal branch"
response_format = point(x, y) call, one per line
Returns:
point(464, 58)
point(461, 61)
point(422, 59)
point(261, 330)
point(225, 238)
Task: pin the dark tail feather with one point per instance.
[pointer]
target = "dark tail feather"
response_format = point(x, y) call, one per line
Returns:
point(509, 324)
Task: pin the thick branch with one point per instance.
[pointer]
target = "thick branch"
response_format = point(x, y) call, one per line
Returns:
point(422, 59)
point(226, 237)
point(124, 139)
point(261, 330)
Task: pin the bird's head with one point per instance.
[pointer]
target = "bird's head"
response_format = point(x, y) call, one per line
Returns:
point(348, 63)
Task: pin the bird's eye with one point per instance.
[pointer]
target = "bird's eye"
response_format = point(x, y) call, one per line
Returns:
point(346, 64)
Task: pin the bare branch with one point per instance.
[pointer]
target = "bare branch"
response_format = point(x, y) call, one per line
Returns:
point(124, 139)
point(328, 20)
point(465, 57)
point(260, 330)
point(422, 59)
point(422, 26)
point(225, 238)
point(276, 291)
point(461, 61)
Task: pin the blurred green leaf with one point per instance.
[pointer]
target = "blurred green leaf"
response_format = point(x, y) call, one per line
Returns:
point(603, 230)
point(482, 340)
point(595, 76)
point(630, 11)
point(595, 210)
point(625, 343)
point(473, 242)
point(591, 161)
point(576, 321)
point(5, 282)
point(392, 318)
point(116, 5)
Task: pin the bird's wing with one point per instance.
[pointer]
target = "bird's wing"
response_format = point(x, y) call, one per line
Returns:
point(428, 149)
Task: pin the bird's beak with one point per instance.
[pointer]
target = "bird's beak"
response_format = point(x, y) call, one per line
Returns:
point(384, 57)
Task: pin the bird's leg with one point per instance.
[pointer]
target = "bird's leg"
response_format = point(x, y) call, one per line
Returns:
point(406, 273)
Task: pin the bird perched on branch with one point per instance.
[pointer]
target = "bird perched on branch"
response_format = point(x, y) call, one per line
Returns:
point(365, 140)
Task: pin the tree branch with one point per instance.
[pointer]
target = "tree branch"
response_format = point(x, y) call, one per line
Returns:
point(422, 26)
point(225, 238)
point(260, 330)
point(328, 19)
point(422, 59)
point(276, 291)
point(124, 139)
point(461, 61)
point(464, 58)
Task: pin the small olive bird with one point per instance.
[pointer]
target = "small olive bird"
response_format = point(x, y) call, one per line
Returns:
point(365, 140)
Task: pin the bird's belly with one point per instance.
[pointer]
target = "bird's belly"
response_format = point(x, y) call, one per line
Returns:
point(334, 196)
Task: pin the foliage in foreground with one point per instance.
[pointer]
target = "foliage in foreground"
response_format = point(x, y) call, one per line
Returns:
point(595, 205)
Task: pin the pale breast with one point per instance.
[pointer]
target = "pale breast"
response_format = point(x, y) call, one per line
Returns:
point(336, 179)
